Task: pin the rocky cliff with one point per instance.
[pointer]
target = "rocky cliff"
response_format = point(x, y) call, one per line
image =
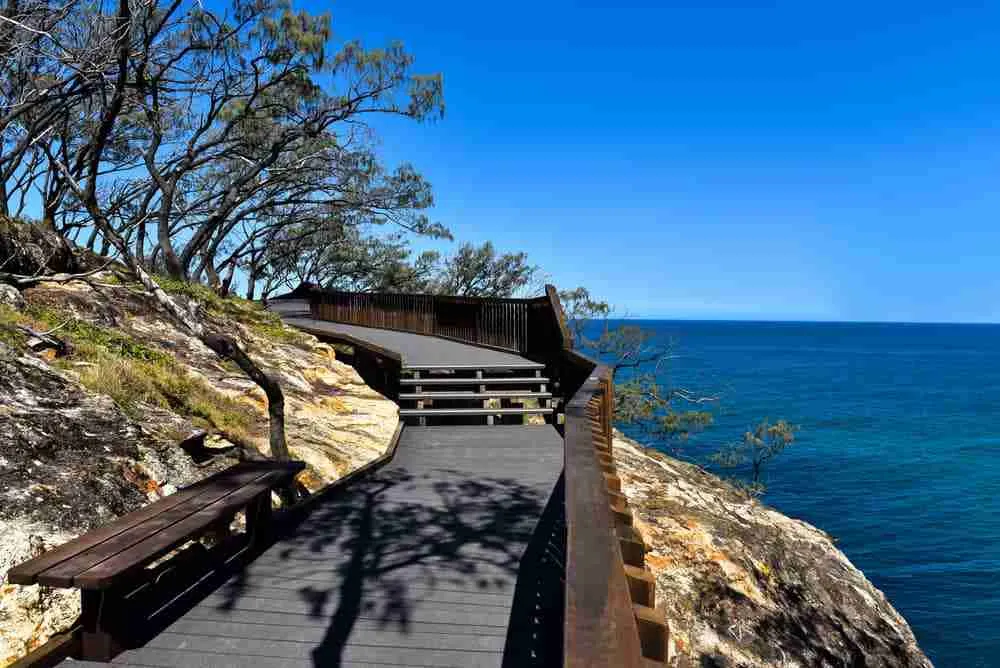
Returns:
point(742, 585)
point(128, 407)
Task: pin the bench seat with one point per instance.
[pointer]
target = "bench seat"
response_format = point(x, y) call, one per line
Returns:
point(106, 562)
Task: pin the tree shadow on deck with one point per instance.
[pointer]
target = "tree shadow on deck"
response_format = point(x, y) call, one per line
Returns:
point(397, 539)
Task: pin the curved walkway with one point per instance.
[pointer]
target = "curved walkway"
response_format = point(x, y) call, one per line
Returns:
point(446, 556)
point(415, 566)
point(415, 351)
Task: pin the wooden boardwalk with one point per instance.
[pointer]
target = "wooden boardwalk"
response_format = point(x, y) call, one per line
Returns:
point(425, 563)
point(465, 546)
point(415, 350)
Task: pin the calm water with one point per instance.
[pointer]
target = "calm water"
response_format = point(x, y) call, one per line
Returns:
point(898, 455)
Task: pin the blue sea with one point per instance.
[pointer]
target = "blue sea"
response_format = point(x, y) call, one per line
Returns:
point(897, 457)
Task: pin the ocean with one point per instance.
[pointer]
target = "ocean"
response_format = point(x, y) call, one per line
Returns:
point(897, 456)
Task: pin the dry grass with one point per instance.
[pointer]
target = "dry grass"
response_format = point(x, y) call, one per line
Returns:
point(251, 314)
point(111, 362)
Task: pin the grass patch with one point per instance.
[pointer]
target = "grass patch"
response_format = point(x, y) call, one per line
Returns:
point(255, 317)
point(93, 338)
point(132, 373)
point(134, 383)
point(9, 333)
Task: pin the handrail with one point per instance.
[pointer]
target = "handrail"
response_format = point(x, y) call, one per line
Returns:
point(600, 626)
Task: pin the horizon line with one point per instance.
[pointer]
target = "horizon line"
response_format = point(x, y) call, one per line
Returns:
point(807, 322)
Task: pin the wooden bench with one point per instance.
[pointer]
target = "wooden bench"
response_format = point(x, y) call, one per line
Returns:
point(108, 564)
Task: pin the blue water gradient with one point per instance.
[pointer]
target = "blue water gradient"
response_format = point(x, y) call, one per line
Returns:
point(898, 456)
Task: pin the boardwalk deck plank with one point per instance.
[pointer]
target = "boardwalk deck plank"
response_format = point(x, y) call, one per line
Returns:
point(417, 350)
point(415, 566)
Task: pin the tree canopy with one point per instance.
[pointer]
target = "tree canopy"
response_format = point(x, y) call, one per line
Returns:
point(210, 141)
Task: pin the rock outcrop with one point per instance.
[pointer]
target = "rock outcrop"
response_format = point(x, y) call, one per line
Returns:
point(742, 585)
point(85, 437)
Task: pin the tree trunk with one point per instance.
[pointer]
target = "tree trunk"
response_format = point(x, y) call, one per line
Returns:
point(251, 286)
point(4, 207)
point(213, 277)
point(227, 282)
point(226, 347)
point(170, 260)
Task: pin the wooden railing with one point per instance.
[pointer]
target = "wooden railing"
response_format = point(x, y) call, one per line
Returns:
point(518, 325)
point(600, 628)
point(609, 615)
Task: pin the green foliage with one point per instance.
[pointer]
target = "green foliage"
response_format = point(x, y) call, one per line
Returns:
point(89, 336)
point(9, 333)
point(482, 272)
point(242, 127)
point(110, 362)
point(642, 401)
point(622, 346)
point(232, 308)
point(765, 441)
point(133, 384)
point(579, 310)
point(637, 360)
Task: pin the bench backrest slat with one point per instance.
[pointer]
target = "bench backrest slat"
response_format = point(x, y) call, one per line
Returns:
point(161, 542)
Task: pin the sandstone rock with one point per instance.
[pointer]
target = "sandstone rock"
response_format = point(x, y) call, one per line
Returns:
point(31, 249)
point(30, 615)
point(742, 585)
point(71, 460)
point(62, 449)
point(11, 297)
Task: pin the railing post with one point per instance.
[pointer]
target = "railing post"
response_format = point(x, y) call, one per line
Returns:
point(608, 408)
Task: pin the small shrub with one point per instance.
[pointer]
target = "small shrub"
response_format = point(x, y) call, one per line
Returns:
point(123, 381)
point(760, 444)
point(9, 333)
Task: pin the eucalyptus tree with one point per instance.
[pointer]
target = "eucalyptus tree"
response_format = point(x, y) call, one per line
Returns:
point(187, 131)
point(254, 113)
point(483, 272)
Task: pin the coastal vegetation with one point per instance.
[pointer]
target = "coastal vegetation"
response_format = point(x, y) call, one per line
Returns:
point(201, 149)
point(665, 414)
point(759, 445)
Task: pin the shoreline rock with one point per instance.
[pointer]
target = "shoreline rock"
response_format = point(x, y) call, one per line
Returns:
point(743, 585)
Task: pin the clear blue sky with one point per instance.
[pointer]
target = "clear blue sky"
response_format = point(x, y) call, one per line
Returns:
point(795, 161)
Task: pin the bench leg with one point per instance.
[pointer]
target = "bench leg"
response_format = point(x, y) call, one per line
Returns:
point(259, 518)
point(104, 625)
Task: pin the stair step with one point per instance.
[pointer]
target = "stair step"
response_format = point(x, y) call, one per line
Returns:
point(413, 412)
point(471, 381)
point(499, 394)
point(515, 366)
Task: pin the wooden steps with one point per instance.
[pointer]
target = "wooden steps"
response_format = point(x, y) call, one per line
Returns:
point(409, 412)
point(526, 366)
point(461, 392)
point(464, 380)
point(499, 394)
